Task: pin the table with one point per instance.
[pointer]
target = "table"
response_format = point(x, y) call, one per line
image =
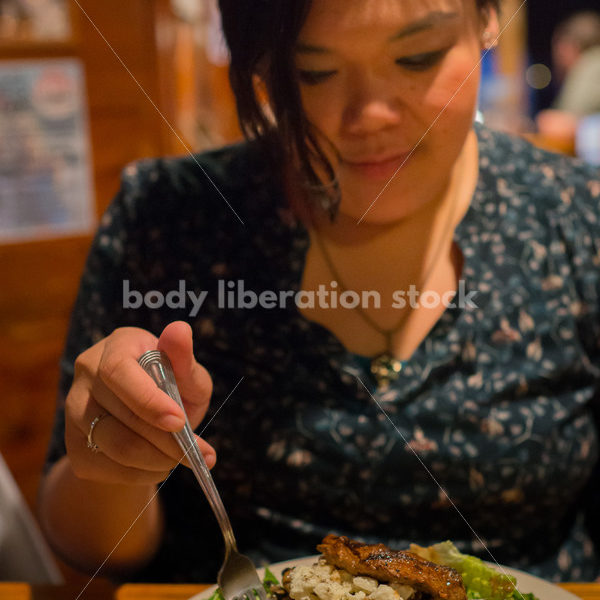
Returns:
point(586, 591)
point(103, 591)
point(97, 590)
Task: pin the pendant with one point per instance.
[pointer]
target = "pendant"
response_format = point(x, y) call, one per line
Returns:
point(386, 369)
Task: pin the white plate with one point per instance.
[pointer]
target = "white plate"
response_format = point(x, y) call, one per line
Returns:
point(526, 583)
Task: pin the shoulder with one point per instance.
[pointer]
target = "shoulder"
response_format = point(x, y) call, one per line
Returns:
point(215, 184)
point(196, 205)
point(540, 182)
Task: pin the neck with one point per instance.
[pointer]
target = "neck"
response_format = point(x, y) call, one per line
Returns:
point(453, 197)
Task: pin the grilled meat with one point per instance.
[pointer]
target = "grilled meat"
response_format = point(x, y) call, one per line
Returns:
point(382, 563)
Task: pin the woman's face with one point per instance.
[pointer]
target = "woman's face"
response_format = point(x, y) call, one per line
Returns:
point(387, 82)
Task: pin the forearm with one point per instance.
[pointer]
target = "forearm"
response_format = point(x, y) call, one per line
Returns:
point(96, 522)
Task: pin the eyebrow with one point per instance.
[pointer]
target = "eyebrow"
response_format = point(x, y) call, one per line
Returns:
point(429, 22)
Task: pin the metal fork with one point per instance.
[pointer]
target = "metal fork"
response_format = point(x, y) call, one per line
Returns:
point(237, 576)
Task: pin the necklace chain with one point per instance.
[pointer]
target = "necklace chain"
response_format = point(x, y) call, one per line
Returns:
point(385, 367)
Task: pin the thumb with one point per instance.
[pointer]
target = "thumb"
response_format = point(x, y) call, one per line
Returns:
point(193, 380)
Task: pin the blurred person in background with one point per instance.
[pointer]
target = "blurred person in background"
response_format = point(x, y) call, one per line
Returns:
point(472, 416)
point(576, 66)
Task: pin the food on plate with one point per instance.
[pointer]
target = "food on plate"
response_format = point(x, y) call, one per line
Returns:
point(351, 570)
point(386, 567)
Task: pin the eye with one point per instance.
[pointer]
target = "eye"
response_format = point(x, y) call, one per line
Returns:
point(314, 77)
point(422, 62)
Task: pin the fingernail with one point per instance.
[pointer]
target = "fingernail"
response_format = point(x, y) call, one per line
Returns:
point(172, 422)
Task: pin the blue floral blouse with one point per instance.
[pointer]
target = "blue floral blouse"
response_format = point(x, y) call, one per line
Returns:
point(489, 437)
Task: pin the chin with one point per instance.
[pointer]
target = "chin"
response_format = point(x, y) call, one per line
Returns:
point(376, 205)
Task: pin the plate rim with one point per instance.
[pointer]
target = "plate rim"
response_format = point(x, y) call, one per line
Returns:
point(524, 580)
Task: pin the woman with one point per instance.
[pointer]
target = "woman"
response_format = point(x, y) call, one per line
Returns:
point(404, 421)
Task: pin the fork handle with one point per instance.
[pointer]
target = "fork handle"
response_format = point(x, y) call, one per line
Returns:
point(158, 366)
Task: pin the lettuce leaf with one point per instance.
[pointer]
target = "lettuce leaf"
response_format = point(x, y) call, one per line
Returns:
point(217, 595)
point(269, 580)
point(481, 581)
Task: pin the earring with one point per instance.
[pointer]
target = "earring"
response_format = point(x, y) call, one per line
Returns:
point(488, 40)
point(326, 196)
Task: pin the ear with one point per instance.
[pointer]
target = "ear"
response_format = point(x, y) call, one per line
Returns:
point(490, 27)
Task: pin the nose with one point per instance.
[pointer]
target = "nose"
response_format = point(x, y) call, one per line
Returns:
point(371, 106)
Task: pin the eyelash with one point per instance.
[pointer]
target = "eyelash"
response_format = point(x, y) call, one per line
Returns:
point(417, 62)
point(314, 77)
point(422, 62)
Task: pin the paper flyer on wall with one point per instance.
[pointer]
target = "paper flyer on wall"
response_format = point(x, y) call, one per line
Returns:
point(45, 157)
point(32, 21)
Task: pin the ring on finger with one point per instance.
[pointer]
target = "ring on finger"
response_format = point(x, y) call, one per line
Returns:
point(90, 436)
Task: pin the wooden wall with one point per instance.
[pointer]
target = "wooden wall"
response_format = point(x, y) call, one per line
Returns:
point(38, 280)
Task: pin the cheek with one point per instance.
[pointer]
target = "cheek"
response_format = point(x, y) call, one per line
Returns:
point(455, 89)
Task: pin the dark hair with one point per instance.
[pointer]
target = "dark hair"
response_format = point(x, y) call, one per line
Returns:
point(260, 35)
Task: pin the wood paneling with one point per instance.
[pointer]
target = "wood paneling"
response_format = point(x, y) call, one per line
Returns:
point(38, 280)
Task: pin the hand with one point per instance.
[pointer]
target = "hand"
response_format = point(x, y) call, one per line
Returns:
point(134, 433)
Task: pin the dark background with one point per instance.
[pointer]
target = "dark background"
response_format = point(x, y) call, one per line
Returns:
point(542, 17)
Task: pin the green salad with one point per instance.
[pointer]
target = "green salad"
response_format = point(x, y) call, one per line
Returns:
point(269, 580)
point(481, 581)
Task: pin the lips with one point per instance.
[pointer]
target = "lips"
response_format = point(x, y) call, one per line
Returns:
point(377, 167)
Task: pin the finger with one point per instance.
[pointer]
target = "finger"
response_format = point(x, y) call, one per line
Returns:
point(96, 466)
point(121, 373)
point(136, 438)
point(193, 380)
point(106, 401)
point(207, 451)
point(100, 467)
point(83, 405)
point(132, 441)
point(127, 448)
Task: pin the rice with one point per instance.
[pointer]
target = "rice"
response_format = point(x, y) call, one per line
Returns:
point(322, 581)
